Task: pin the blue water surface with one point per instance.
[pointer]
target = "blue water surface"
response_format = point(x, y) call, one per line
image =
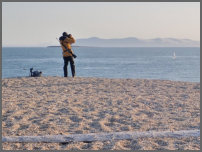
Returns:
point(144, 63)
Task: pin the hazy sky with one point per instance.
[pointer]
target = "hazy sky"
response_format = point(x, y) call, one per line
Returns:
point(39, 23)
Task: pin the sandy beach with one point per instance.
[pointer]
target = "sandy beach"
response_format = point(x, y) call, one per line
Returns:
point(63, 106)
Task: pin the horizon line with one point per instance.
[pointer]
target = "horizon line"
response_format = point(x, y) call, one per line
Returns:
point(41, 45)
point(49, 46)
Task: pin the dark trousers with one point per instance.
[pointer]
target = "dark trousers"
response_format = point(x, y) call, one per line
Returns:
point(71, 60)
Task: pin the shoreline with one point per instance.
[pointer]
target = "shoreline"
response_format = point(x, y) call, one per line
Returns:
point(63, 106)
point(47, 76)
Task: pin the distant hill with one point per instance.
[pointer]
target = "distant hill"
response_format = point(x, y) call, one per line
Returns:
point(135, 42)
point(60, 46)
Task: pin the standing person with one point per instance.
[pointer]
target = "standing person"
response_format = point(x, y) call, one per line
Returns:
point(66, 40)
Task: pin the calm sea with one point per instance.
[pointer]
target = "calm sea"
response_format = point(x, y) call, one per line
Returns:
point(146, 63)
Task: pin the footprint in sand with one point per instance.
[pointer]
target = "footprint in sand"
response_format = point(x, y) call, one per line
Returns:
point(64, 110)
point(23, 127)
point(8, 124)
point(18, 117)
point(161, 143)
point(75, 119)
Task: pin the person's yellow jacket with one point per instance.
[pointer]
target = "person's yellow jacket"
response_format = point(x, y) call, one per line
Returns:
point(67, 41)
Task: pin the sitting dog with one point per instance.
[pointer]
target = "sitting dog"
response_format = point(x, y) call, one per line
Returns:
point(35, 73)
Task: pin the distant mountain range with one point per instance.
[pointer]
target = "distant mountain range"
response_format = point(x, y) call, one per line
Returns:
point(135, 42)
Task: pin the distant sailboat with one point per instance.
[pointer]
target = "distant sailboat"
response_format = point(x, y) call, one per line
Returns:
point(174, 56)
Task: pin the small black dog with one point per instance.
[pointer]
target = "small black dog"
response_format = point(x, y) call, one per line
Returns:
point(35, 73)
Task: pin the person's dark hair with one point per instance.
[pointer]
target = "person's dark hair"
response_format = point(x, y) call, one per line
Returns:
point(64, 34)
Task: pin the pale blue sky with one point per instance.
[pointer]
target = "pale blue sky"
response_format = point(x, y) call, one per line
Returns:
point(39, 23)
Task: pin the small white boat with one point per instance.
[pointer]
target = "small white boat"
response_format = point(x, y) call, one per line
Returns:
point(174, 56)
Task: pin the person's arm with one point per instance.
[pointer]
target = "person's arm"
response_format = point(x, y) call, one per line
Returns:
point(70, 40)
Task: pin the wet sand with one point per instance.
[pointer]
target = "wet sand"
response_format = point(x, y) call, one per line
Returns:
point(63, 106)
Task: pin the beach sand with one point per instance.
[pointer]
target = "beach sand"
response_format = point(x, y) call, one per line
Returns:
point(63, 106)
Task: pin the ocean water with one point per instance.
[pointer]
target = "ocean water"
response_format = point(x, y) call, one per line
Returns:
point(141, 63)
